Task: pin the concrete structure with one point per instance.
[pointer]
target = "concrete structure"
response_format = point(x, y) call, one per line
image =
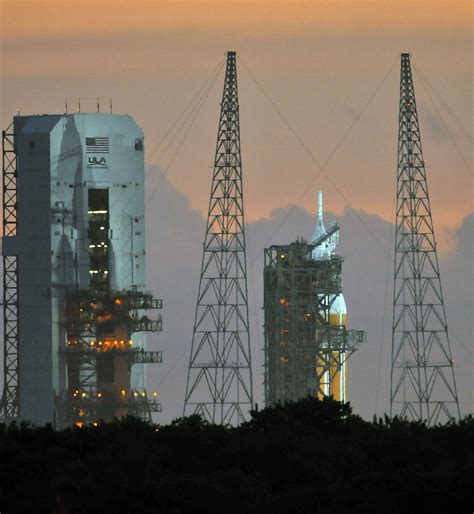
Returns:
point(307, 343)
point(80, 251)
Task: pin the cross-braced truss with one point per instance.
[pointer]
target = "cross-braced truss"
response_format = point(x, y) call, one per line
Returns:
point(219, 383)
point(10, 400)
point(423, 385)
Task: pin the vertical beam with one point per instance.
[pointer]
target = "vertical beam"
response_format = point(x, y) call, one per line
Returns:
point(10, 399)
point(423, 385)
point(219, 382)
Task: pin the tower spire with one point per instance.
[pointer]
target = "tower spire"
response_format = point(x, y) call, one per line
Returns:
point(423, 385)
point(219, 383)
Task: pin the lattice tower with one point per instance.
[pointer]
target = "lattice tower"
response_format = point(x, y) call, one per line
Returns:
point(423, 385)
point(219, 383)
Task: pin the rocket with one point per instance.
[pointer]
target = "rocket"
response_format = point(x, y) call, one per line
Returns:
point(334, 375)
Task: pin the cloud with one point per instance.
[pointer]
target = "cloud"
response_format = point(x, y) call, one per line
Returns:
point(464, 237)
point(434, 125)
point(315, 61)
point(175, 234)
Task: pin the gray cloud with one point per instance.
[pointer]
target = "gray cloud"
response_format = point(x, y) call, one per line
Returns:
point(175, 235)
point(464, 238)
point(174, 249)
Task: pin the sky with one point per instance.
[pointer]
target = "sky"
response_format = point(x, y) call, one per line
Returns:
point(174, 260)
point(325, 71)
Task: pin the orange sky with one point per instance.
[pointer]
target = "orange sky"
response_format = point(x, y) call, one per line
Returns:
point(44, 18)
point(319, 61)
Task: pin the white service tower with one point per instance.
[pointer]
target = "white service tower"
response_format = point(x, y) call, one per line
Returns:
point(74, 195)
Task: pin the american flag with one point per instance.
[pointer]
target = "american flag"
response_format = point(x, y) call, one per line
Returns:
point(97, 145)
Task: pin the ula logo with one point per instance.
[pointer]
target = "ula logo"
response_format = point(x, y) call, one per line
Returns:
point(96, 162)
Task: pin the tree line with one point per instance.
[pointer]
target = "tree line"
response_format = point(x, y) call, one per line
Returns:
point(309, 456)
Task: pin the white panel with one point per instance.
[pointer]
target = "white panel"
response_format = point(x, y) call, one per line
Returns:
point(55, 173)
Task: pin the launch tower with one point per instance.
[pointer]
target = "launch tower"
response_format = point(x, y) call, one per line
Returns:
point(75, 306)
point(307, 343)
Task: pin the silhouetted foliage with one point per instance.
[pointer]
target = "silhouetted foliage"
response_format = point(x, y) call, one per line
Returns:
point(327, 414)
point(303, 457)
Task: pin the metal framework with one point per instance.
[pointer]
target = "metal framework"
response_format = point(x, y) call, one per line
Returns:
point(100, 354)
point(10, 400)
point(219, 382)
point(86, 309)
point(304, 350)
point(423, 385)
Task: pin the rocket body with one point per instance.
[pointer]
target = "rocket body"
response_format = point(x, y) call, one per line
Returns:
point(334, 379)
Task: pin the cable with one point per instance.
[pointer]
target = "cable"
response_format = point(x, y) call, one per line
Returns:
point(387, 275)
point(460, 341)
point(444, 103)
point(315, 160)
point(203, 85)
point(175, 362)
point(199, 96)
point(444, 124)
point(197, 111)
point(257, 311)
point(215, 72)
point(200, 103)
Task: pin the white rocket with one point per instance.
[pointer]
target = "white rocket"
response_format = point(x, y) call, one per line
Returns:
point(338, 311)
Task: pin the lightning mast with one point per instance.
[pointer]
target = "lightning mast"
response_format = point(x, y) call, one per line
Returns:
point(219, 383)
point(423, 385)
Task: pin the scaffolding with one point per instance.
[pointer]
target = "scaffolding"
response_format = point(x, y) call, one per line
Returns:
point(10, 400)
point(304, 350)
point(99, 353)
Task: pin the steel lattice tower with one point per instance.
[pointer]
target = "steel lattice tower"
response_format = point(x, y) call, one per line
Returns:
point(423, 385)
point(219, 383)
point(10, 400)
